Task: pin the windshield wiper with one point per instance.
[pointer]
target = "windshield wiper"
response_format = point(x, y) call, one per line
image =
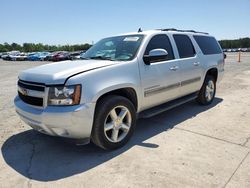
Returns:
point(84, 58)
point(101, 58)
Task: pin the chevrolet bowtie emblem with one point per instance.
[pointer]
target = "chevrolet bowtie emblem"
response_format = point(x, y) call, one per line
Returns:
point(24, 91)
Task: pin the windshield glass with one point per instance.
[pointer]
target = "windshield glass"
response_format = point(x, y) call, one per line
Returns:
point(120, 48)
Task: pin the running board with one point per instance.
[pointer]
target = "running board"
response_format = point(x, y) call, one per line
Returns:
point(167, 106)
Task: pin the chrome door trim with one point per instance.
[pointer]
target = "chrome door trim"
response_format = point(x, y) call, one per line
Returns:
point(161, 89)
point(190, 81)
point(157, 90)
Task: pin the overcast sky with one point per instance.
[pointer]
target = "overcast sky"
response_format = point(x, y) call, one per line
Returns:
point(84, 21)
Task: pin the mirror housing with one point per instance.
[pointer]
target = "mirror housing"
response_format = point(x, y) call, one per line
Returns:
point(155, 55)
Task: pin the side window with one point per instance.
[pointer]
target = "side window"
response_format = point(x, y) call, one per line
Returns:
point(208, 45)
point(160, 41)
point(184, 45)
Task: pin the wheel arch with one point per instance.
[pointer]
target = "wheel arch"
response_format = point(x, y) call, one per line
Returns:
point(127, 92)
point(213, 71)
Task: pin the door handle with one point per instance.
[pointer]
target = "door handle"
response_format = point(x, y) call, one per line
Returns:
point(196, 63)
point(174, 68)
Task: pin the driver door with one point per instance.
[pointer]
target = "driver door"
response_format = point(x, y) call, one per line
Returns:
point(160, 80)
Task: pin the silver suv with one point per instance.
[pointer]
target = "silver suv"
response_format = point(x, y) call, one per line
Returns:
point(120, 79)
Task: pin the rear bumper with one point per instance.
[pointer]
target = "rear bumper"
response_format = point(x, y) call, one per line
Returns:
point(67, 121)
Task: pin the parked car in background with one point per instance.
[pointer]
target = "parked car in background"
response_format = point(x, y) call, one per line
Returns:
point(60, 56)
point(19, 57)
point(74, 55)
point(3, 54)
point(236, 50)
point(243, 49)
point(11, 55)
point(32, 56)
point(43, 55)
point(38, 56)
point(49, 57)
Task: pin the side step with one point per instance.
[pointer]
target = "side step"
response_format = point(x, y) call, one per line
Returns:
point(167, 106)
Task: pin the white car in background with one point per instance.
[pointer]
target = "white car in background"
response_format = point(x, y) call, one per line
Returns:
point(15, 56)
point(9, 55)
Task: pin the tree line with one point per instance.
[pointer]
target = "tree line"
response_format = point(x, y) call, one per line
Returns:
point(31, 47)
point(237, 43)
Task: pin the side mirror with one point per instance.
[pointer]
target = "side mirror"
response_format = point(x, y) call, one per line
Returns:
point(155, 55)
point(225, 56)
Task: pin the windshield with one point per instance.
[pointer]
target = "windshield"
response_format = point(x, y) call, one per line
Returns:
point(120, 48)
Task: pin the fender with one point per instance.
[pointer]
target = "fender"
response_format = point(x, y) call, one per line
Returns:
point(113, 88)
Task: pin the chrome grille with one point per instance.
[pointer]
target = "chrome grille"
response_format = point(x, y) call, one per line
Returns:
point(31, 93)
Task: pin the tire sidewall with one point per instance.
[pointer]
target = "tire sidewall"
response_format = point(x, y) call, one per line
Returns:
point(208, 78)
point(102, 111)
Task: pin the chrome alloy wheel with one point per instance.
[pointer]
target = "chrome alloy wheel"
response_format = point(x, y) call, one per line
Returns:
point(117, 124)
point(210, 90)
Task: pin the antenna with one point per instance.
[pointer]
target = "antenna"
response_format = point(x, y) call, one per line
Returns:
point(139, 30)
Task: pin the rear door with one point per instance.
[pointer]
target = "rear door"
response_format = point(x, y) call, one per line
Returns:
point(190, 65)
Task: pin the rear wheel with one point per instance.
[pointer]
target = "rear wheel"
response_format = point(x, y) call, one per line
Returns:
point(114, 122)
point(207, 92)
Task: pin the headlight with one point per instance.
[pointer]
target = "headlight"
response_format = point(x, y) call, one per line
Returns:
point(64, 95)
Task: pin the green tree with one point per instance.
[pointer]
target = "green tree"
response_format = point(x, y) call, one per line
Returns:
point(31, 47)
point(237, 43)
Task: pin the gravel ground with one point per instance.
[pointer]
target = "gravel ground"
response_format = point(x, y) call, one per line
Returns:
point(189, 146)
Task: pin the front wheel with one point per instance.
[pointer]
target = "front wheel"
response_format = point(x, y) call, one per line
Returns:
point(207, 92)
point(114, 122)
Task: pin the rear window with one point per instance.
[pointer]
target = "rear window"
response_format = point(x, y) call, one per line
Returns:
point(184, 45)
point(208, 45)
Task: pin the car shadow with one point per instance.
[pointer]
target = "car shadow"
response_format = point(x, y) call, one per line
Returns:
point(45, 158)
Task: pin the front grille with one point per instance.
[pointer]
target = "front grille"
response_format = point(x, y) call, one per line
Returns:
point(31, 100)
point(33, 87)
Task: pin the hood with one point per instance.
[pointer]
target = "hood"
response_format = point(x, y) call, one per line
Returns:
point(57, 73)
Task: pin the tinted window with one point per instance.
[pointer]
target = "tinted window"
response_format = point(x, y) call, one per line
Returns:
point(184, 45)
point(160, 41)
point(208, 45)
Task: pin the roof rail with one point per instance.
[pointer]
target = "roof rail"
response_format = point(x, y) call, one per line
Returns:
point(192, 31)
point(169, 29)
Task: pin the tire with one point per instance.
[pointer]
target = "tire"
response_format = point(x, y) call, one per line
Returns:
point(109, 138)
point(207, 91)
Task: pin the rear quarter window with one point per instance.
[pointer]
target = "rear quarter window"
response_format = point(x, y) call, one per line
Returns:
point(208, 45)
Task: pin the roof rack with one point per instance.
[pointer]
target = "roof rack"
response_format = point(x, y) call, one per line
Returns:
point(192, 31)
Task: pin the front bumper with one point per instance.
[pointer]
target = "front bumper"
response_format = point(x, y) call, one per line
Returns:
point(64, 121)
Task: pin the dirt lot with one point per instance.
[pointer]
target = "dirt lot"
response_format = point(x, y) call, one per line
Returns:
point(189, 146)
